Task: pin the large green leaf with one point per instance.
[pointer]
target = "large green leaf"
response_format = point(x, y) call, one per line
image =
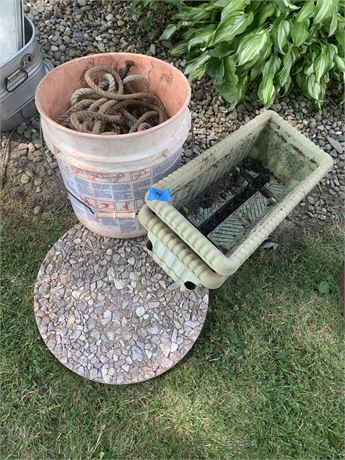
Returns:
point(340, 63)
point(196, 13)
point(306, 66)
point(221, 3)
point(253, 73)
point(271, 66)
point(215, 69)
point(280, 34)
point(286, 86)
point(310, 82)
point(300, 32)
point(256, 5)
point(331, 52)
point(267, 90)
point(202, 37)
point(264, 55)
point(325, 9)
point(301, 82)
point(266, 11)
point(317, 91)
point(220, 50)
point(333, 24)
point(310, 69)
point(251, 46)
point(232, 7)
point(288, 61)
point(242, 87)
point(233, 26)
point(286, 6)
point(339, 35)
point(313, 87)
point(320, 66)
point(307, 11)
point(168, 32)
point(196, 73)
point(228, 89)
point(179, 49)
point(196, 63)
point(188, 34)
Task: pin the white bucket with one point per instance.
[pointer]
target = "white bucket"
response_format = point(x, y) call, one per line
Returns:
point(111, 173)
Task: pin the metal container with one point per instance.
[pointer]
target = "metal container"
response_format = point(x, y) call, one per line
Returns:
point(11, 28)
point(19, 77)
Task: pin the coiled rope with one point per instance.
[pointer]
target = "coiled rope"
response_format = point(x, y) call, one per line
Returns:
point(110, 105)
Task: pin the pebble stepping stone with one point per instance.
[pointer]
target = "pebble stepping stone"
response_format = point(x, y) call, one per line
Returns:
point(109, 313)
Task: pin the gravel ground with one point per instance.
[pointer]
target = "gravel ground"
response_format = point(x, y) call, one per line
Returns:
point(71, 28)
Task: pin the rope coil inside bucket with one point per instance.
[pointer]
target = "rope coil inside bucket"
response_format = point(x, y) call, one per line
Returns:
point(110, 104)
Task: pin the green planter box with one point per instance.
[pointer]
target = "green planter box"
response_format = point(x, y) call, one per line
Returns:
point(297, 162)
point(175, 257)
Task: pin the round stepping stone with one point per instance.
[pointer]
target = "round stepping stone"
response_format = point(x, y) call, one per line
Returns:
point(109, 313)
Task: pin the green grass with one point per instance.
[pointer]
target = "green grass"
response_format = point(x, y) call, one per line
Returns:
point(264, 380)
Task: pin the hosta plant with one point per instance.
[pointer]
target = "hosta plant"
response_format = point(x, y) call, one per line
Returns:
point(279, 45)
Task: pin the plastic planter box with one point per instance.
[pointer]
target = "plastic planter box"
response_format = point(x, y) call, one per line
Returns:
point(175, 257)
point(298, 163)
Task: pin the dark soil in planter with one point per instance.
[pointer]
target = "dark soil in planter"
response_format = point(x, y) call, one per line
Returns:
point(220, 200)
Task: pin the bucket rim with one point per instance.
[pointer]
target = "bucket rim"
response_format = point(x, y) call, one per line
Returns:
point(112, 136)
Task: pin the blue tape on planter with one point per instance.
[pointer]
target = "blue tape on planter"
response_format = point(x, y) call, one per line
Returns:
point(156, 194)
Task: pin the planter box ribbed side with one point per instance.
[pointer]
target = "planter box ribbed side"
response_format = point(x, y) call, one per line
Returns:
point(283, 149)
point(174, 256)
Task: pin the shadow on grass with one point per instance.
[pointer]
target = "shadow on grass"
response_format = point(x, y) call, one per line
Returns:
point(264, 380)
